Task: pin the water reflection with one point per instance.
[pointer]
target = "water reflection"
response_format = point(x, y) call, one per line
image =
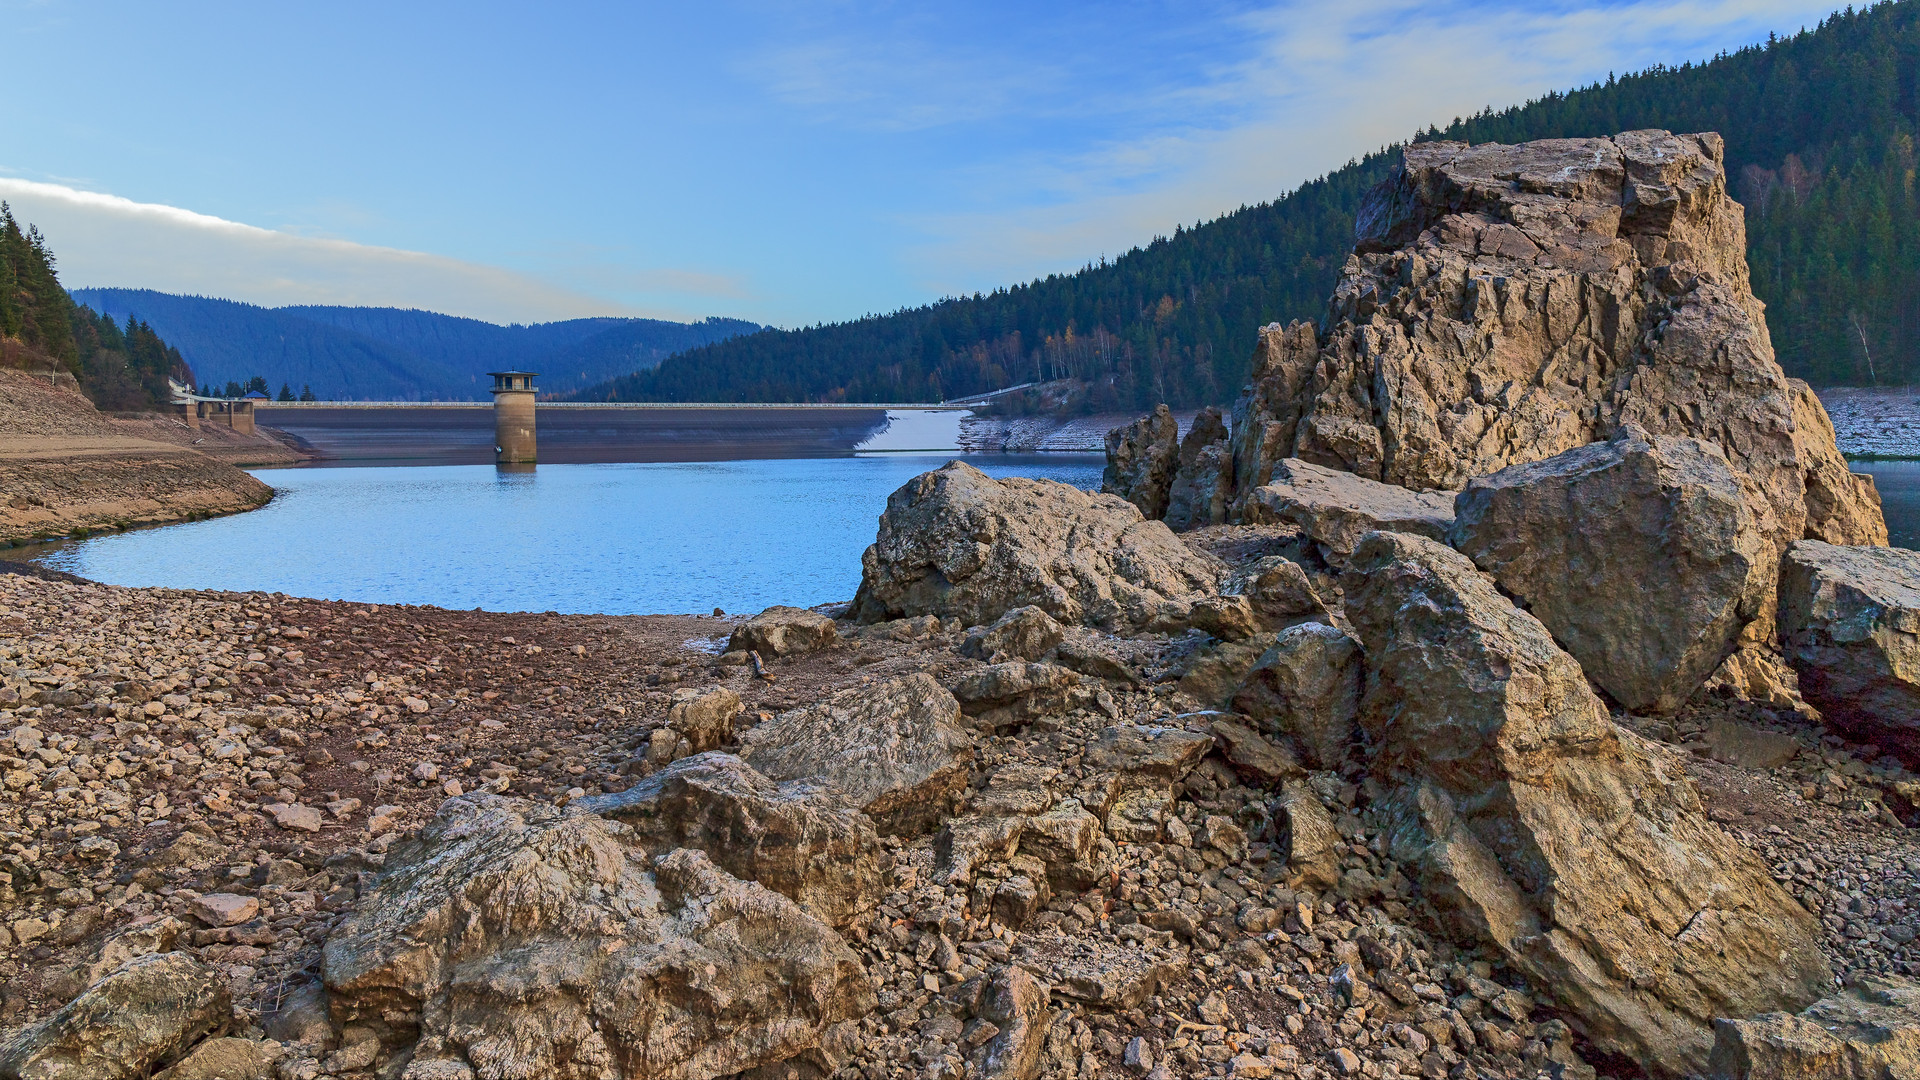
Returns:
point(620, 539)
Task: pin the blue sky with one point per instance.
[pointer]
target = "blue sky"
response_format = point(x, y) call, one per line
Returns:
point(788, 163)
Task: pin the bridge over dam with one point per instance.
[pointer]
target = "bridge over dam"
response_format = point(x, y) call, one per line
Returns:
point(462, 432)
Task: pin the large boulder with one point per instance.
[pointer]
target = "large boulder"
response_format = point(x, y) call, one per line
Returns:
point(795, 838)
point(523, 940)
point(897, 750)
point(1574, 850)
point(142, 1017)
point(784, 631)
point(1306, 690)
point(1141, 458)
point(1508, 303)
point(1638, 553)
point(1335, 509)
point(1870, 1031)
point(1850, 626)
point(958, 543)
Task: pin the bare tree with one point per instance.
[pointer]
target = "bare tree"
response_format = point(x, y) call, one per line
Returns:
point(1860, 328)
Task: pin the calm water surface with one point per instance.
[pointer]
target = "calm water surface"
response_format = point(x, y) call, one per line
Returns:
point(617, 539)
point(1899, 484)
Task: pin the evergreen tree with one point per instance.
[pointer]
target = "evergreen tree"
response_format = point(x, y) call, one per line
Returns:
point(286, 392)
point(306, 393)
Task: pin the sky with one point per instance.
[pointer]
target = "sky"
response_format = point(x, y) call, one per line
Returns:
point(789, 163)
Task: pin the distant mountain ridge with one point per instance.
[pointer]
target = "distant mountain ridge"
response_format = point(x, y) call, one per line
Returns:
point(398, 354)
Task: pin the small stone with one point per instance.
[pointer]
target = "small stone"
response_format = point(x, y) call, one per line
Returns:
point(1138, 1057)
point(1213, 1009)
point(382, 819)
point(224, 909)
point(415, 705)
point(1345, 1060)
point(426, 770)
point(452, 788)
point(27, 931)
point(296, 816)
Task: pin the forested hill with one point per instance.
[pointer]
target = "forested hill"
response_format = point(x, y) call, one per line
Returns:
point(359, 353)
point(42, 329)
point(1820, 145)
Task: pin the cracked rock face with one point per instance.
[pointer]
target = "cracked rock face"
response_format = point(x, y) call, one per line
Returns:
point(1870, 1030)
point(795, 838)
point(142, 1016)
point(1638, 553)
point(959, 544)
point(524, 941)
point(1535, 824)
point(1141, 459)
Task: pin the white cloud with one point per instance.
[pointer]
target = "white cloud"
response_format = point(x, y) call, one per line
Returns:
point(104, 240)
point(1327, 83)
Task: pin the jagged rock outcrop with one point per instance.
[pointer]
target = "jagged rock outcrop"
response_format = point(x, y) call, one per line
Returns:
point(1638, 553)
point(795, 838)
point(960, 544)
point(145, 1015)
point(1870, 1031)
point(1335, 509)
point(1534, 824)
point(1850, 626)
point(522, 940)
point(1132, 769)
point(897, 751)
point(1141, 459)
point(1203, 479)
point(1508, 303)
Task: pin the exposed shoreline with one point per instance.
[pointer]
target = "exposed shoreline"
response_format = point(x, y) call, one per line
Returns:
point(67, 469)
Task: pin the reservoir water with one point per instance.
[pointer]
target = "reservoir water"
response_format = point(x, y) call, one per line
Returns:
point(612, 538)
point(615, 539)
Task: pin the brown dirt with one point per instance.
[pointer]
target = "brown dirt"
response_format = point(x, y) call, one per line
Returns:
point(65, 467)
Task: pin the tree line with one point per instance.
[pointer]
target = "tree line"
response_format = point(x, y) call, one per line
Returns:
point(1819, 128)
point(120, 368)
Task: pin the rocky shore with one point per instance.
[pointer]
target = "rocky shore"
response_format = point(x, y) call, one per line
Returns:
point(1403, 721)
point(66, 468)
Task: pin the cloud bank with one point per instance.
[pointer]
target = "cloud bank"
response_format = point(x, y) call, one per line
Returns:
point(107, 241)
